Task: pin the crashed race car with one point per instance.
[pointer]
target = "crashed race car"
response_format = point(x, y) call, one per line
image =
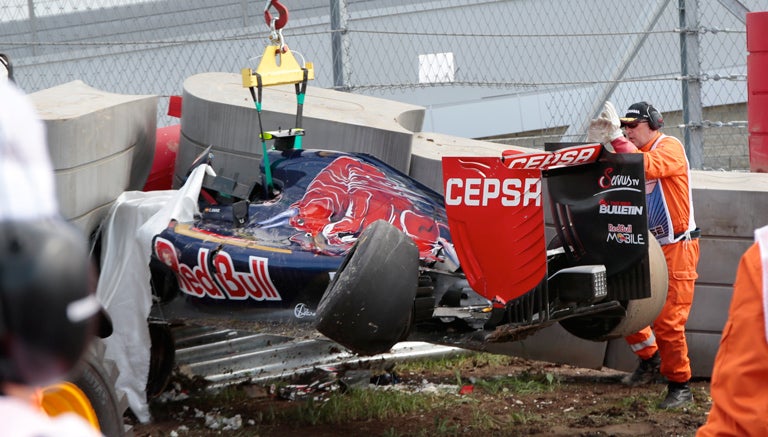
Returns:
point(272, 256)
point(372, 257)
point(601, 275)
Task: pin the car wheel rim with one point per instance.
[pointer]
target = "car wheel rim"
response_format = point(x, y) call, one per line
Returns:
point(66, 397)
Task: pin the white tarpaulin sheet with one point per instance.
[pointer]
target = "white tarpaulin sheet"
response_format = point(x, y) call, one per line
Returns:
point(124, 288)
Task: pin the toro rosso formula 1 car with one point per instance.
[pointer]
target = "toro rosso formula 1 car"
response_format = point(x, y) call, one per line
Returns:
point(372, 257)
point(265, 253)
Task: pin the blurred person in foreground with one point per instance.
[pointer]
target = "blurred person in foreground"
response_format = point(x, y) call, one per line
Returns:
point(738, 388)
point(47, 310)
point(662, 347)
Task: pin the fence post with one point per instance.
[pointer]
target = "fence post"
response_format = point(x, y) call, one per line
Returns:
point(338, 42)
point(32, 24)
point(690, 70)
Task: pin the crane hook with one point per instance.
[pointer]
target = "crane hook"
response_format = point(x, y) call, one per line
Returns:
point(282, 17)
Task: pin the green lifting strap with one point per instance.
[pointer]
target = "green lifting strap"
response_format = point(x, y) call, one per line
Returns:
point(301, 90)
point(264, 151)
point(278, 66)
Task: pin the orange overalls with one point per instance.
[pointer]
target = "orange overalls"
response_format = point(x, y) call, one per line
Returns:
point(739, 385)
point(670, 211)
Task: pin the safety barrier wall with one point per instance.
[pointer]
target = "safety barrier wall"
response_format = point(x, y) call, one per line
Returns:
point(100, 143)
point(217, 111)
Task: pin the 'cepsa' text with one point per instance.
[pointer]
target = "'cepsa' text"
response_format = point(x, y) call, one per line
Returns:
point(484, 191)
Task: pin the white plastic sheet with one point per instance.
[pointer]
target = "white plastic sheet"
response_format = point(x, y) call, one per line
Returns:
point(124, 288)
point(27, 186)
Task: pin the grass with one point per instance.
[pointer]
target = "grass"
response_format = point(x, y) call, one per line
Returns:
point(363, 404)
point(524, 384)
point(380, 405)
point(454, 362)
point(446, 415)
point(527, 382)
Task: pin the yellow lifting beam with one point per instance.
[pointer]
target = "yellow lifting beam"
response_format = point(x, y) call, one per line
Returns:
point(277, 67)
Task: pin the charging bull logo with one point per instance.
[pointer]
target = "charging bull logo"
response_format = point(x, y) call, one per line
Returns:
point(347, 196)
point(214, 275)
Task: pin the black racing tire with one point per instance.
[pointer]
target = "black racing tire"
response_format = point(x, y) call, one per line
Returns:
point(90, 391)
point(368, 305)
point(162, 281)
point(639, 312)
point(97, 378)
point(162, 358)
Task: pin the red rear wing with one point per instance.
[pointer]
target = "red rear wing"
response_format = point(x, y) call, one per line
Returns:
point(495, 213)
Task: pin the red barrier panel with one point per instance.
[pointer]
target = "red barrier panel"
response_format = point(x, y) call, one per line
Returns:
point(166, 149)
point(757, 90)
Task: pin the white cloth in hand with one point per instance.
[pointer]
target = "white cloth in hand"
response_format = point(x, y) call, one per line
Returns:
point(606, 127)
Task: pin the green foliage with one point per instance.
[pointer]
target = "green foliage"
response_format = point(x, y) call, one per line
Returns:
point(445, 426)
point(524, 383)
point(462, 360)
point(362, 404)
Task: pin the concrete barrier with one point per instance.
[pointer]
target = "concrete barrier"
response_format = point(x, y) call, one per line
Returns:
point(429, 148)
point(100, 143)
point(218, 111)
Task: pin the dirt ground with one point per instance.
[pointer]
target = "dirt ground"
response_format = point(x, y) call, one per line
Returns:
point(574, 402)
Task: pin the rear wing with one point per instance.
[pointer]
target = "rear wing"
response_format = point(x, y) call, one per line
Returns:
point(496, 213)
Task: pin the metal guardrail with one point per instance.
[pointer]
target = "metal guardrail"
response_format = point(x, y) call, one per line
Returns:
point(224, 356)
